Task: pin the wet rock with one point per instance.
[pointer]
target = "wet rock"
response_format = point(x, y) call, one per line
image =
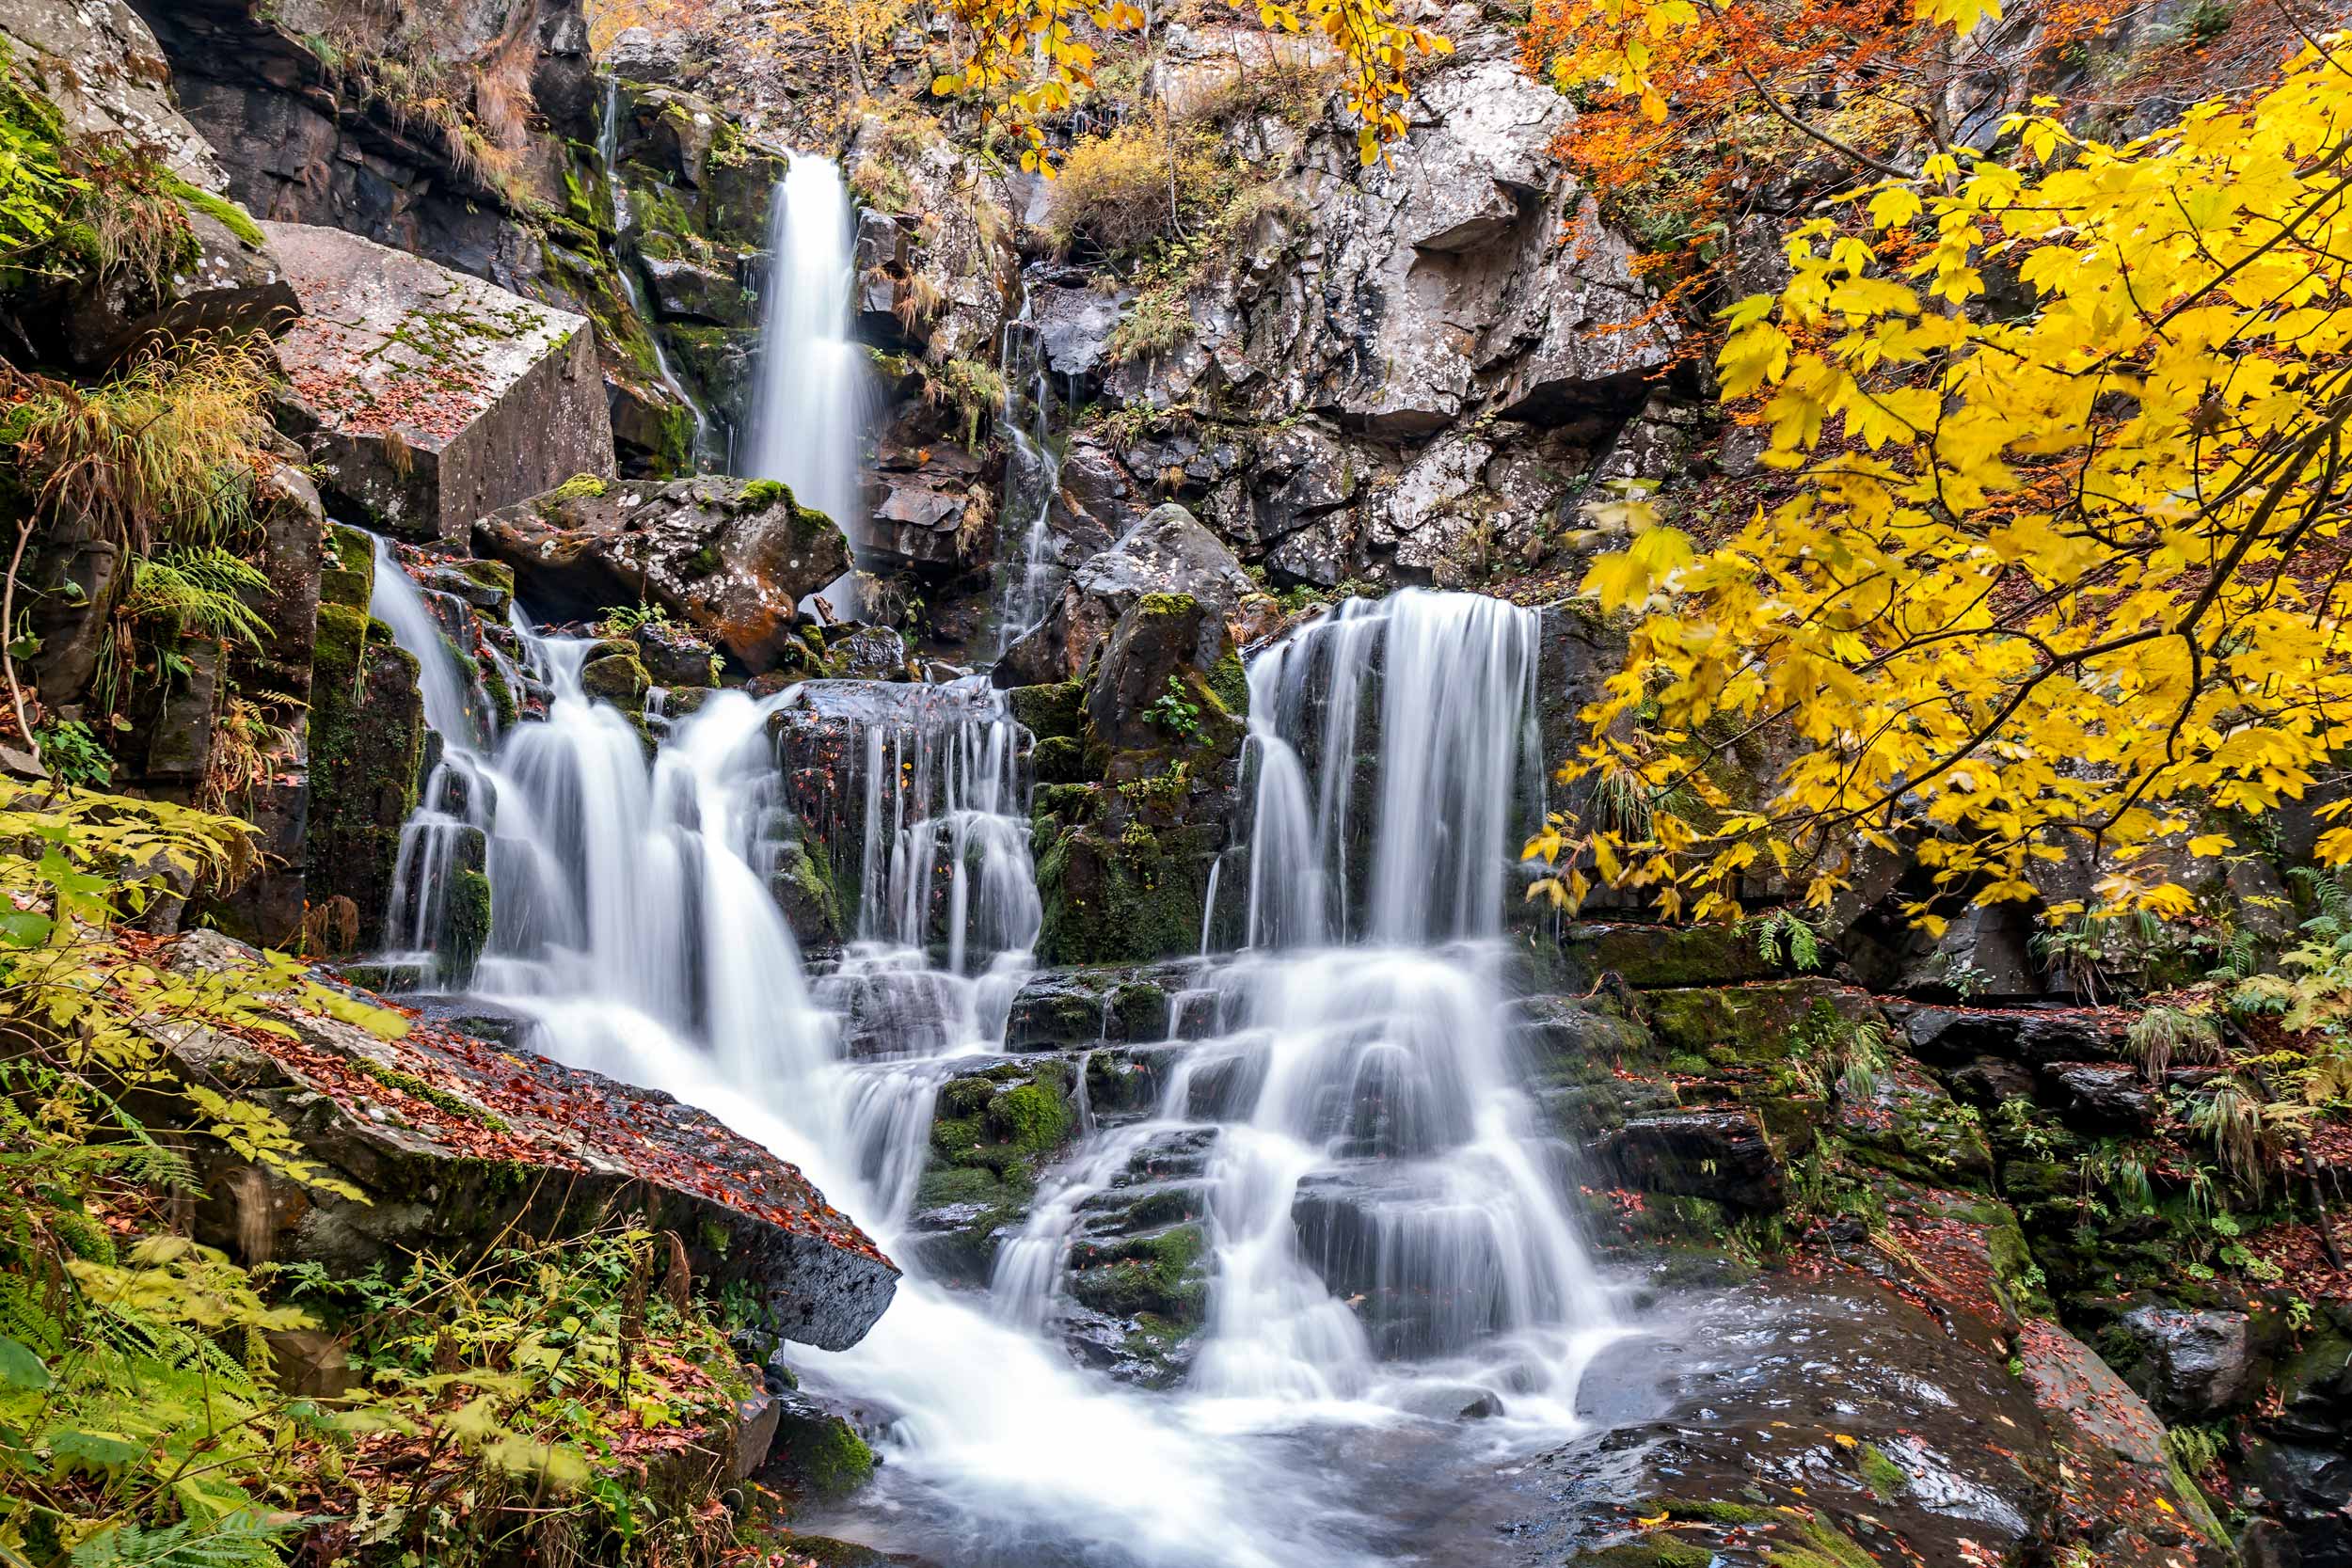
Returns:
point(367, 736)
point(1057, 1009)
point(488, 586)
point(2307, 1487)
point(1906, 1123)
point(454, 1142)
point(2038, 1037)
point(674, 657)
point(731, 558)
point(437, 397)
point(1073, 326)
point(817, 1453)
point(2104, 1093)
point(2120, 1466)
point(1167, 553)
point(1721, 1155)
point(2194, 1363)
point(869, 654)
point(617, 678)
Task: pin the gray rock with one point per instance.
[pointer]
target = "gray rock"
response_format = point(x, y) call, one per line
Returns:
point(2112, 1094)
point(1724, 1155)
point(1168, 553)
point(1073, 326)
point(438, 397)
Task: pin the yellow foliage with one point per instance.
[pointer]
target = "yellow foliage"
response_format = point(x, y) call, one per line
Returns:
point(1026, 56)
point(1137, 183)
point(2044, 584)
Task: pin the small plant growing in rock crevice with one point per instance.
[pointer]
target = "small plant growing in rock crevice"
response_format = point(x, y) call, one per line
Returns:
point(1174, 711)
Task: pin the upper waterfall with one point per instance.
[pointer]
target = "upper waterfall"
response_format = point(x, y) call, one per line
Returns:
point(808, 405)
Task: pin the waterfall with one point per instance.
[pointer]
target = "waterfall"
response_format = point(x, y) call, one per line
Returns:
point(808, 405)
point(1340, 1117)
point(1032, 480)
point(704, 451)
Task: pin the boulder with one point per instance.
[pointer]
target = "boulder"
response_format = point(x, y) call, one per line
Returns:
point(1721, 1155)
point(731, 558)
point(435, 397)
point(1166, 553)
point(2196, 1363)
point(455, 1143)
point(673, 657)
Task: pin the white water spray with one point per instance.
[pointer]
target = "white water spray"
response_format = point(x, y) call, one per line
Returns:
point(808, 406)
point(1386, 1232)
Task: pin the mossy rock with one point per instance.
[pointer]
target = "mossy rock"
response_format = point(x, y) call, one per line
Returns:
point(1131, 899)
point(616, 678)
point(367, 739)
point(351, 582)
point(817, 1453)
point(1164, 1276)
point(1059, 759)
point(1745, 1025)
point(467, 930)
point(1048, 712)
point(1658, 958)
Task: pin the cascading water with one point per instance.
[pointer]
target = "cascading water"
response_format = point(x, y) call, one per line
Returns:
point(1032, 479)
point(1384, 1231)
point(704, 451)
point(808, 405)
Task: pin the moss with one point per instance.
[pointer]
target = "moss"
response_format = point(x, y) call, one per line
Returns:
point(367, 749)
point(1229, 683)
point(1052, 711)
point(1657, 957)
point(1658, 1551)
point(469, 928)
point(823, 1455)
point(1160, 1276)
point(1884, 1478)
point(1059, 759)
point(1032, 1118)
point(502, 694)
point(351, 581)
point(766, 492)
point(578, 487)
point(1161, 606)
point(223, 211)
point(1130, 900)
point(703, 561)
point(942, 1185)
point(617, 678)
point(431, 1093)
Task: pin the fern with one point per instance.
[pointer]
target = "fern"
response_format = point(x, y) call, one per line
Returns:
point(198, 590)
point(245, 1539)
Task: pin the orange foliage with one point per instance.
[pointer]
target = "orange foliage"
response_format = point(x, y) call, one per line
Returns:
point(1758, 87)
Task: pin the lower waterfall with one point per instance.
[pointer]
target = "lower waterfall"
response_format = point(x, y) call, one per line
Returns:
point(1388, 1244)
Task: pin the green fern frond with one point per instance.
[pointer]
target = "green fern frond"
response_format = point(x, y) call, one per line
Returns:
point(245, 1539)
point(197, 589)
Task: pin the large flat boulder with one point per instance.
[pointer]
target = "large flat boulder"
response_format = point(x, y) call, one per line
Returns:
point(455, 1142)
point(731, 557)
point(437, 397)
